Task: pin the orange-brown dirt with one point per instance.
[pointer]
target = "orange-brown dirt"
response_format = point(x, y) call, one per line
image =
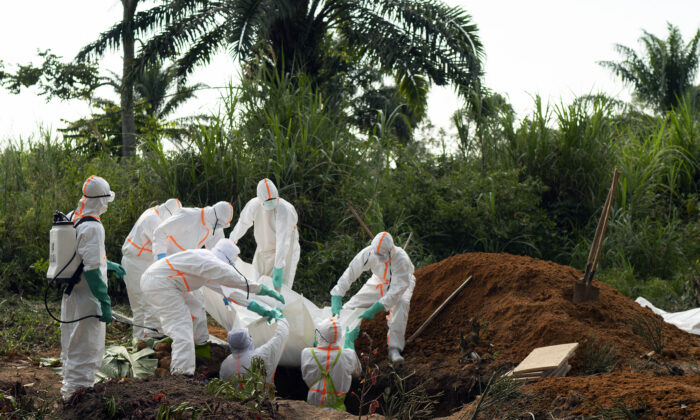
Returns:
point(665, 397)
point(522, 303)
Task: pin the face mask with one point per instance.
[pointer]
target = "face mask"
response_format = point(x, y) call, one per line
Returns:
point(102, 208)
point(270, 204)
point(382, 258)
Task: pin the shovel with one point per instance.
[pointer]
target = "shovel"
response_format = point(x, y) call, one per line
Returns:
point(583, 290)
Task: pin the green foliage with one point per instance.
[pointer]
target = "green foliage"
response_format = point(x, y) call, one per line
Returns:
point(249, 388)
point(649, 328)
point(54, 78)
point(664, 73)
point(598, 356)
point(25, 327)
point(536, 187)
point(42, 176)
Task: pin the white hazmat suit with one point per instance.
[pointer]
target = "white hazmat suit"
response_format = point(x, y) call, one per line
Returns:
point(193, 228)
point(83, 342)
point(168, 283)
point(274, 222)
point(391, 284)
point(243, 351)
point(328, 368)
point(138, 255)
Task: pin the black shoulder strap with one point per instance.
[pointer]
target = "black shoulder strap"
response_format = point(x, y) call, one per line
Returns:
point(85, 219)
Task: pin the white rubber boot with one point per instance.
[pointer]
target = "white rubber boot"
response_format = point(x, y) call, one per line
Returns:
point(395, 356)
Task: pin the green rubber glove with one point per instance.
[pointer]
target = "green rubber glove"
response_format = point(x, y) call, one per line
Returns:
point(350, 337)
point(372, 311)
point(99, 290)
point(118, 270)
point(336, 304)
point(270, 314)
point(277, 278)
point(266, 291)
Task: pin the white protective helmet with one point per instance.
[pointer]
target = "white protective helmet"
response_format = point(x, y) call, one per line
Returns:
point(170, 207)
point(97, 187)
point(329, 331)
point(382, 246)
point(223, 210)
point(226, 251)
point(267, 193)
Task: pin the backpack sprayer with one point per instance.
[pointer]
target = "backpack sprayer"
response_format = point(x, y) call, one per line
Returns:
point(65, 265)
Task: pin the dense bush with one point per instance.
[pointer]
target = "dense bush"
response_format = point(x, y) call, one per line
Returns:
point(539, 191)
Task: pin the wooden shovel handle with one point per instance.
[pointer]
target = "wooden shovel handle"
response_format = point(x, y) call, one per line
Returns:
point(359, 220)
point(611, 195)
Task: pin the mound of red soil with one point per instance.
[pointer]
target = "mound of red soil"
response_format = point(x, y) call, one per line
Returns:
point(522, 303)
point(142, 398)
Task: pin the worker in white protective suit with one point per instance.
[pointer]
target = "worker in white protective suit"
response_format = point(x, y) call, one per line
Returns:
point(137, 256)
point(390, 288)
point(169, 280)
point(193, 228)
point(83, 342)
point(327, 368)
point(276, 234)
point(243, 351)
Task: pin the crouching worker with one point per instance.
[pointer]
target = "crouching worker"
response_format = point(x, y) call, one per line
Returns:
point(83, 342)
point(389, 289)
point(328, 368)
point(243, 351)
point(167, 285)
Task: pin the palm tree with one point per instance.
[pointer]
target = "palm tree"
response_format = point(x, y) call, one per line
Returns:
point(121, 34)
point(665, 71)
point(402, 37)
point(155, 84)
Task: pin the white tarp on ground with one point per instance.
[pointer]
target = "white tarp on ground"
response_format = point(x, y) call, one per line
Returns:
point(302, 314)
point(687, 320)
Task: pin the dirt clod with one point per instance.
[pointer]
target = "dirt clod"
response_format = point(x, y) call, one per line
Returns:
point(162, 347)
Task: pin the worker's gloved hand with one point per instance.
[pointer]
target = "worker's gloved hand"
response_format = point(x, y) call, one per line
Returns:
point(99, 290)
point(266, 291)
point(161, 256)
point(350, 337)
point(117, 269)
point(336, 304)
point(277, 278)
point(372, 311)
point(270, 314)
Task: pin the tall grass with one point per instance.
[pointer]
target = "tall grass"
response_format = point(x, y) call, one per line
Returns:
point(538, 192)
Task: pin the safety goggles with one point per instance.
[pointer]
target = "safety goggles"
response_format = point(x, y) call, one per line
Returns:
point(109, 199)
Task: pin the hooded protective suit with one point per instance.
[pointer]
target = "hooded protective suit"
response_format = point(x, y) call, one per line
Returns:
point(243, 350)
point(137, 254)
point(167, 285)
point(193, 228)
point(83, 342)
point(274, 222)
point(391, 284)
point(328, 368)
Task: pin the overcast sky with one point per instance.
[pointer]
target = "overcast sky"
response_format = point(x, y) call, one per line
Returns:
point(545, 47)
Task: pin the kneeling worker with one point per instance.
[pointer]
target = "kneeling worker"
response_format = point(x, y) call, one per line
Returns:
point(243, 351)
point(168, 281)
point(328, 368)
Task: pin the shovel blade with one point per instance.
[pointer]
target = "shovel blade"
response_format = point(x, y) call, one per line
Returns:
point(585, 292)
